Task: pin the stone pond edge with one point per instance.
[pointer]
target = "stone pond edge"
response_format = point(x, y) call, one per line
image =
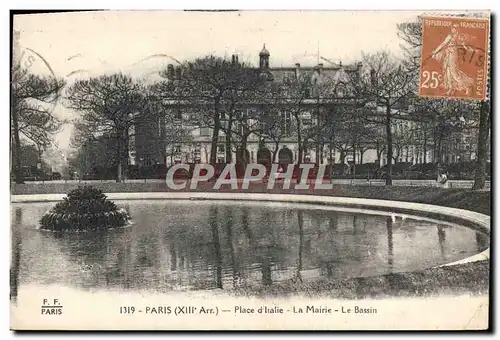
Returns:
point(476, 220)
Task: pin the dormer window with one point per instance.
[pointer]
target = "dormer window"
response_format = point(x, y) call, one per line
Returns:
point(340, 90)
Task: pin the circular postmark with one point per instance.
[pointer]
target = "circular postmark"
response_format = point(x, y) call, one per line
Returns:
point(26, 62)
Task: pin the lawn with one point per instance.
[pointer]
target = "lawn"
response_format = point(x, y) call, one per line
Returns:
point(479, 201)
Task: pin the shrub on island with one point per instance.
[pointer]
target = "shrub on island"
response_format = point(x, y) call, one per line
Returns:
point(84, 209)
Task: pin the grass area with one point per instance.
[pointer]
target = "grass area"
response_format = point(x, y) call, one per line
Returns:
point(470, 278)
point(478, 201)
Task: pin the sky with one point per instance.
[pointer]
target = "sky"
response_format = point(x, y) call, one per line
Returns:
point(73, 45)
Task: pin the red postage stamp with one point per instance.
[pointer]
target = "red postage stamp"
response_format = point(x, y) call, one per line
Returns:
point(454, 57)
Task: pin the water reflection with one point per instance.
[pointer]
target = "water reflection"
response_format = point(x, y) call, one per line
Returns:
point(390, 246)
point(177, 245)
point(300, 223)
point(216, 245)
point(228, 218)
point(441, 239)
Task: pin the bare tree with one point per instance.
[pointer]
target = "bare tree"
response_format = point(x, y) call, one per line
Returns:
point(387, 83)
point(275, 127)
point(301, 95)
point(438, 119)
point(242, 108)
point(482, 145)
point(108, 104)
point(210, 86)
point(32, 101)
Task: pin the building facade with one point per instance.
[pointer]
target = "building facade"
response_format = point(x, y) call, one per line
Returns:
point(186, 141)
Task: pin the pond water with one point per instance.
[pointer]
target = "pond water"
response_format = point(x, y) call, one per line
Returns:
point(198, 245)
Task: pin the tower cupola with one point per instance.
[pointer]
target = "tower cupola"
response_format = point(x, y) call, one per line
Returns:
point(264, 58)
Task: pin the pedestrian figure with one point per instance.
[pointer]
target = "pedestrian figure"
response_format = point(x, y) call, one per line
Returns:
point(442, 179)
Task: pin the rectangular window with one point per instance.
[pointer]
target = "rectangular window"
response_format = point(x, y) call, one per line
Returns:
point(205, 131)
point(178, 115)
point(263, 125)
point(240, 128)
point(306, 119)
point(221, 148)
point(307, 93)
point(286, 118)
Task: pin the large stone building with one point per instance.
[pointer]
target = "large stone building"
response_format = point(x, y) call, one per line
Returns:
point(148, 146)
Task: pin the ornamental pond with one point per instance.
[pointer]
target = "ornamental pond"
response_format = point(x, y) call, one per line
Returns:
point(179, 245)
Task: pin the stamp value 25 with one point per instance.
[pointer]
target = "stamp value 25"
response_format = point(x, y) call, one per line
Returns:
point(454, 57)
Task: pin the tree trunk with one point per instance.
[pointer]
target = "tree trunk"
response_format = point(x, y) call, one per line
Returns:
point(342, 157)
point(361, 153)
point(482, 147)
point(330, 149)
point(275, 151)
point(229, 154)
point(119, 158)
point(215, 139)
point(125, 154)
point(379, 153)
point(243, 151)
point(299, 142)
point(388, 179)
point(379, 156)
point(17, 146)
point(330, 153)
point(353, 160)
point(215, 133)
point(395, 158)
point(318, 149)
point(425, 147)
point(439, 151)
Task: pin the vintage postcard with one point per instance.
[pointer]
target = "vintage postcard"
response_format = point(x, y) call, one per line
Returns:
point(250, 170)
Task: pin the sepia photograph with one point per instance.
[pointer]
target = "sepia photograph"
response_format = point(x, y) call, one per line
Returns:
point(250, 170)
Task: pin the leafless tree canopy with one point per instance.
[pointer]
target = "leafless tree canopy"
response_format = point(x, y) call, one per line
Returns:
point(108, 105)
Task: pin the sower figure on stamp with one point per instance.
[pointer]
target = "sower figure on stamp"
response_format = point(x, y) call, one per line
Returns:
point(448, 53)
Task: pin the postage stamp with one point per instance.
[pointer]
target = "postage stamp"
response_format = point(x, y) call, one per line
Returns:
point(454, 60)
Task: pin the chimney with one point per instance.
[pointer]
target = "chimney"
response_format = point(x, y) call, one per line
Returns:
point(373, 77)
point(297, 70)
point(170, 71)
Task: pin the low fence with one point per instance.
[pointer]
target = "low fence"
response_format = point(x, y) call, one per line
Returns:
point(456, 184)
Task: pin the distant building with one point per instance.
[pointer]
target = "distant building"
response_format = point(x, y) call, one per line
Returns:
point(147, 146)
